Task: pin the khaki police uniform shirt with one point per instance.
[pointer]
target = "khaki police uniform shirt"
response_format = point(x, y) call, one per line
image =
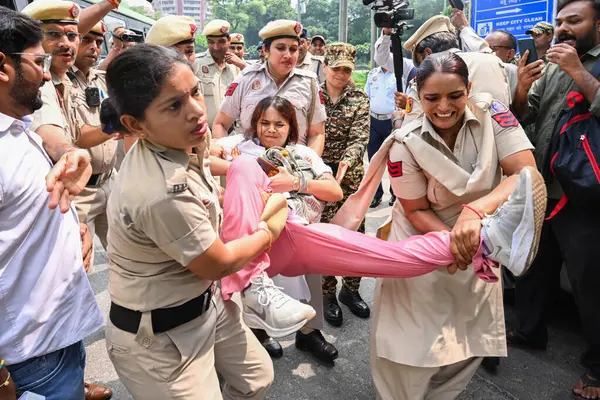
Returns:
point(439, 319)
point(104, 155)
point(57, 108)
point(157, 229)
point(255, 83)
point(313, 64)
point(213, 82)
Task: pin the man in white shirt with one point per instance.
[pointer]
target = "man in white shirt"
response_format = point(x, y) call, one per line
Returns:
point(380, 87)
point(47, 303)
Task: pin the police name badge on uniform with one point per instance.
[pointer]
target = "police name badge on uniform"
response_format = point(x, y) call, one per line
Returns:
point(177, 188)
point(256, 85)
point(502, 115)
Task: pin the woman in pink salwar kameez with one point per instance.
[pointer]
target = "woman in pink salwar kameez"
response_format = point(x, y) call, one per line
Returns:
point(310, 249)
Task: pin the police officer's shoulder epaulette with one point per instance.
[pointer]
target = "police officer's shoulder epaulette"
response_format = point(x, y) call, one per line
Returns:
point(305, 73)
point(252, 69)
point(482, 100)
point(99, 72)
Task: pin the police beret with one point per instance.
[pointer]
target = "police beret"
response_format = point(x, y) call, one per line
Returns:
point(439, 23)
point(99, 29)
point(340, 55)
point(317, 37)
point(53, 11)
point(217, 27)
point(281, 28)
point(171, 30)
point(237, 38)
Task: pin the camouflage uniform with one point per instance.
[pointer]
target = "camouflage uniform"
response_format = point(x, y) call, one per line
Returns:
point(347, 135)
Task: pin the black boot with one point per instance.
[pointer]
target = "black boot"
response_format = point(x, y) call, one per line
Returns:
point(375, 202)
point(392, 200)
point(316, 344)
point(490, 364)
point(355, 303)
point(271, 345)
point(332, 311)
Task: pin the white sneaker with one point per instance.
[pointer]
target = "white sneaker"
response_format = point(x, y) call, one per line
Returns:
point(267, 307)
point(512, 233)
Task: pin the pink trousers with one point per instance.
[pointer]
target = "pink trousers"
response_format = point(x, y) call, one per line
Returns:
point(324, 249)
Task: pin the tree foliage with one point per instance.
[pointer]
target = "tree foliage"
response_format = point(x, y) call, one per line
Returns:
point(321, 18)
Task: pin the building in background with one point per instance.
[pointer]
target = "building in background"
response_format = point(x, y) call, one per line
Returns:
point(197, 9)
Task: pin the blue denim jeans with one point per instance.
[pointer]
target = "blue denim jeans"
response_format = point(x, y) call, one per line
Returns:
point(58, 375)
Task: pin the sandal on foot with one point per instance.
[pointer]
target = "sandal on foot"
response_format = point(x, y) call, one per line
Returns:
point(587, 381)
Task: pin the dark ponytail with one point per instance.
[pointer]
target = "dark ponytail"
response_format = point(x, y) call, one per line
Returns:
point(110, 118)
point(134, 79)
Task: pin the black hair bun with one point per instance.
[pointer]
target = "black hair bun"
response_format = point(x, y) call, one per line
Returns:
point(110, 118)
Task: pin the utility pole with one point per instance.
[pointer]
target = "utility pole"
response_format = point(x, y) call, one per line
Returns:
point(373, 38)
point(343, 31)
point(299, 10)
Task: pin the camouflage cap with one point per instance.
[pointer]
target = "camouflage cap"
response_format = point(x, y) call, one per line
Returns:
point(340, 55)
point(541, 27)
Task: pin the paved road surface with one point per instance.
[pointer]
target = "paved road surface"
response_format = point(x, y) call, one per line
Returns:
point(523, 375)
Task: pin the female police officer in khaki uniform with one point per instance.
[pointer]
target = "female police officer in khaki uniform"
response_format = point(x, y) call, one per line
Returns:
point(276, 77)
point(429, 333)
point(169, 331)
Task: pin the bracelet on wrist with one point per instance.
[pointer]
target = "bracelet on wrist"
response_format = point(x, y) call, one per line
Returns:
point(296, 184)
point(472, 209)
point(303, 184)
point(262, 226)
point(115, 3)
point(7, 381)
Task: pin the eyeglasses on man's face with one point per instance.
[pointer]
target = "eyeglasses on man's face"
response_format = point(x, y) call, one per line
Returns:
point(42, 59)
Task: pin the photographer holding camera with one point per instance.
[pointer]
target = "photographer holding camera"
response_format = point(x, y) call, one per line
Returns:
point(437, 34)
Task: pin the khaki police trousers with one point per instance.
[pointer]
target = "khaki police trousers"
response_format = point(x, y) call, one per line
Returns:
point(404, 382)
point(91, 210)
point(183, 363)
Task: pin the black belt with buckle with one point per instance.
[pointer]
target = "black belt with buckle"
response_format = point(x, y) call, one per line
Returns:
point(95, 179)
point(163, 319)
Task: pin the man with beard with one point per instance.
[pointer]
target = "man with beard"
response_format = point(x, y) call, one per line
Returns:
point(89, 89)
point(573, 234)
point(213, 68)
point(55, 122)
point(48, 302)
point(306, 60)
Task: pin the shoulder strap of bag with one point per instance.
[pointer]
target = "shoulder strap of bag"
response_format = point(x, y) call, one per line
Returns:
point(311, 109)
point(596, 70)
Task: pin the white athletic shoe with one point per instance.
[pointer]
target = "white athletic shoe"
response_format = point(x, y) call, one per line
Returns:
point(512, 233)
point(267, 307)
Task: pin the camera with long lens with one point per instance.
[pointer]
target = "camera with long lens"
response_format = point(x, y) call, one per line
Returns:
point(391, 13)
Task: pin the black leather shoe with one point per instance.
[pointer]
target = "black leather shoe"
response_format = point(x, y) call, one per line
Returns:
point(316, 344)
point(392, 200)
point(332, 311)
point(355, 303)
point(490, 364)
point(514, 338)
point(375, 202)
point(271, 345)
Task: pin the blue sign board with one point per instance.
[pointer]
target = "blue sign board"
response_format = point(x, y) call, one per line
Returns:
point(514, 16)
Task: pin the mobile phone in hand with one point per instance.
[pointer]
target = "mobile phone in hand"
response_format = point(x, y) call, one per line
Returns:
point(458, 4)
point(269, 169)
point(528, 44)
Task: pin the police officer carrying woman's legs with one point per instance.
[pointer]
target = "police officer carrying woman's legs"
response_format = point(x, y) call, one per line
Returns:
point(169, 331)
